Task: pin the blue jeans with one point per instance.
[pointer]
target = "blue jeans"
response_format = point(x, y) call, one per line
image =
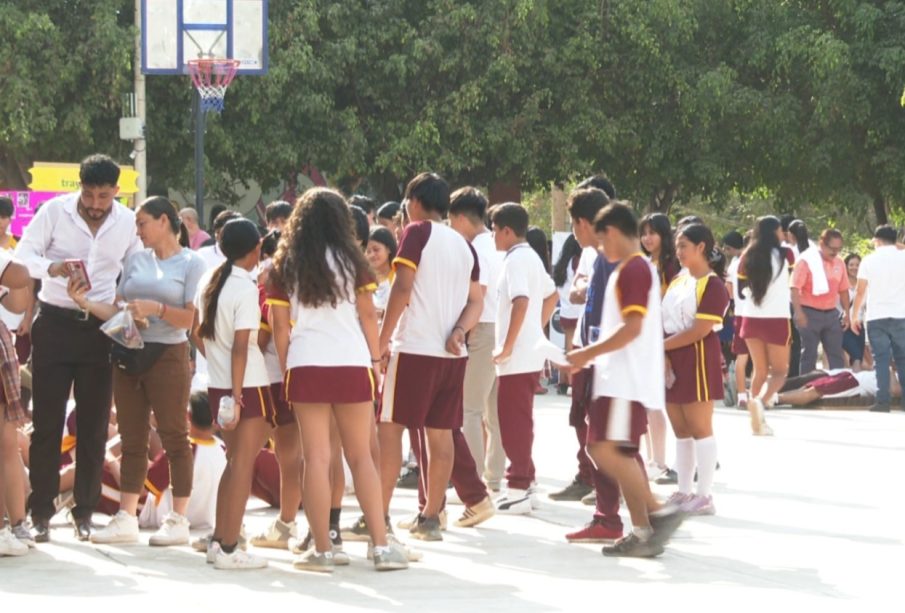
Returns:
point(887, 338)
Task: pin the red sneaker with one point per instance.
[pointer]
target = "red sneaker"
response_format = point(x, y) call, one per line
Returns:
point(594, 532)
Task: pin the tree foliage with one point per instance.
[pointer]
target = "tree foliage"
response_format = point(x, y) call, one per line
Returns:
point(679, 101)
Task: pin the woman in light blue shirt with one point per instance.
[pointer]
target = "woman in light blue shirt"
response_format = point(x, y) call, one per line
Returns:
point(159, 284)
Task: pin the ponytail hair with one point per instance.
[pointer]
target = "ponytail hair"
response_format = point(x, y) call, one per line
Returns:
point(697, 233)
point(157, 207)
point(238, 238)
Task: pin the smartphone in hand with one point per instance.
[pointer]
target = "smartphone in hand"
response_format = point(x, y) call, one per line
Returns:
point(78, 272)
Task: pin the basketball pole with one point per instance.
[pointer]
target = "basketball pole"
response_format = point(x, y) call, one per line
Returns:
point(140, 146)
point(199, 157)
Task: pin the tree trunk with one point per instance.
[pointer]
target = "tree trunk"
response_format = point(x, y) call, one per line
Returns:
point(662, 199)
point(880, 210)
point(507, 190)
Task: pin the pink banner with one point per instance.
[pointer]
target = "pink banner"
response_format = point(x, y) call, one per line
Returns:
point(26, 203)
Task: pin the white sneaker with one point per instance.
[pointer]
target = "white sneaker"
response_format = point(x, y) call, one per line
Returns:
point(173, 531)
point(123, 528)
point(277, 535)
point(21, 532)
point(514, 502)
point(238, 560)
point(10, 545)
point(213, 548)
point(412, 555)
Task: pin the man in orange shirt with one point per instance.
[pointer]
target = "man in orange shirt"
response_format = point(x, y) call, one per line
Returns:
point(819, 284)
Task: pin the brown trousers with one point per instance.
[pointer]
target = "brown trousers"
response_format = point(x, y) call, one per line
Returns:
point(164, 388)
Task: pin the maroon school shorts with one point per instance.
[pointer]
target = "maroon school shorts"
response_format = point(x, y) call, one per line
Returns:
point(257, 401)
point(282, 412)
point(699, 372)
point(329, 384)
point(616, 420)
point(834, 384)
point(771, 330)
point(423, 391)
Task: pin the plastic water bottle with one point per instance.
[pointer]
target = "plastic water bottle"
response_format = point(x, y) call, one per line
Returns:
point(227, 412)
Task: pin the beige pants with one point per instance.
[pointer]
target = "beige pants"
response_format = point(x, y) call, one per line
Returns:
point(480, 399)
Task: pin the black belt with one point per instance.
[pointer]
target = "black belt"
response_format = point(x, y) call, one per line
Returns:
point(70, 314)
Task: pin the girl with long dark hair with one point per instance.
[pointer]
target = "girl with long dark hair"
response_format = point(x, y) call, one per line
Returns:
point(658, 245)
point(693, 310)
point(763, 276)
point(322, 281)
point(227, 321)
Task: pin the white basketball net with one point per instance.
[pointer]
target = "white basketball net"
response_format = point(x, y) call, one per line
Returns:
point(211, 77)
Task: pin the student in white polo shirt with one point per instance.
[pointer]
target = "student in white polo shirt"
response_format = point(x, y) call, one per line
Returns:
point(322, 273)
point(435, 300)
point(228, 317)
point(527, 297)
point(881, 279)
point(467, 212)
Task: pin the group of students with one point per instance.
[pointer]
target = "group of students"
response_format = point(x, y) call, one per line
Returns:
point(331, 338)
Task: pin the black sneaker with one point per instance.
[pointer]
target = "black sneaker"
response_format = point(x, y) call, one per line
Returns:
point(632, 547)
point(879, 408)
point(665, 525)
point(574, 491)
point(669, 477)
point(427, 529)
point(409, 479)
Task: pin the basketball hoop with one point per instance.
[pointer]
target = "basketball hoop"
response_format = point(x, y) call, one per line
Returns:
point(211, 77)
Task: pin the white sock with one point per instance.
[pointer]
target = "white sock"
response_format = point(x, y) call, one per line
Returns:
point(743, 396)
point(685, 464)
point(705, 449)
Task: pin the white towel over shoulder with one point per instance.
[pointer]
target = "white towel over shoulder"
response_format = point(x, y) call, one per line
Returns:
point(814, 260)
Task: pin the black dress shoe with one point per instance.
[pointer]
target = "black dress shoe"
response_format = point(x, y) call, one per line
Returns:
point(83, 529)
point(42, 530)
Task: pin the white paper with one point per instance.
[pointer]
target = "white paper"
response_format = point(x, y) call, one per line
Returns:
point(551, 352)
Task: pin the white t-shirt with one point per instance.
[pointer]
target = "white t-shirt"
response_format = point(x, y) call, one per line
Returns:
point(490, 261)
point(237, 309)
point(585, 269)
point(445, 264)
point(635, 372)
point(209, 463)
point(327, 335)
point(12, 320)
point(211, 255)
point(884, 271)
point(732, 277)
point(566, 308)
point(777, 301)
point(867, 383)
point(523, 275)
point(687, 299)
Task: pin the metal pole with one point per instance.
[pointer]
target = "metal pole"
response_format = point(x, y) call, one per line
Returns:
point(199, 158)
point(140, 145)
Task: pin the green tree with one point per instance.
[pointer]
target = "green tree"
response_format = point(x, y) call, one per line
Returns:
point(63, 67)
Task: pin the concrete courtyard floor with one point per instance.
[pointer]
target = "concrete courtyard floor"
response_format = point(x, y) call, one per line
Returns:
point(809, 518)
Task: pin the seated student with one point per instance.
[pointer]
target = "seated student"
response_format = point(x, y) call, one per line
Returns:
point(209, 463)
point(108, 504)
point(840, 383)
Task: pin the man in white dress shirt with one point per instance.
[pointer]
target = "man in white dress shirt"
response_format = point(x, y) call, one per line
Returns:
point(70, 353)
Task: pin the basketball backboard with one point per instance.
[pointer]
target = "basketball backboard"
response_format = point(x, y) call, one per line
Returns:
point(176, 31)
